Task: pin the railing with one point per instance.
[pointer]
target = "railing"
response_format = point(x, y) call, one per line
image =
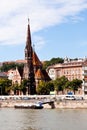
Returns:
point(36, 97)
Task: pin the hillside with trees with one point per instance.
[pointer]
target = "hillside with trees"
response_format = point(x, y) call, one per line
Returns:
point(52, 62)
point(5, 67)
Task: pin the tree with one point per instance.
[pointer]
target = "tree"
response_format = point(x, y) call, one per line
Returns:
point(9, 66)
point(43, 88)
point(60, 83)
point(5, 86)
point(16, 88)
point(24, 85)
point(50, 85)
point(52, 61)
point(57, 85)
point(75, 84)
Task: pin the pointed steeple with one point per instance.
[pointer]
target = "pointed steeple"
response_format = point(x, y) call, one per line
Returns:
point(28, 42)
point(28, 47)
point(33, 71)
point(29, 64)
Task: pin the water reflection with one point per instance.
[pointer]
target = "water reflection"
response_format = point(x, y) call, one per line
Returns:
point(45, 119)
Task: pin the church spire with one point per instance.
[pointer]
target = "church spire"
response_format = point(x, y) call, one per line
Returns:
point(29, 59)
point(28, 48)
point(28, 34)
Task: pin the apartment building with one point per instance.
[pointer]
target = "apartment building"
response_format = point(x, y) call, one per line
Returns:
point(71, 69)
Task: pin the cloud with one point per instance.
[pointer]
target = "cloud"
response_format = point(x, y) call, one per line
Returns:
point(42, 14)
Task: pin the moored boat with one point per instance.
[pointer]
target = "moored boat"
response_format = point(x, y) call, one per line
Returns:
point(29, 106)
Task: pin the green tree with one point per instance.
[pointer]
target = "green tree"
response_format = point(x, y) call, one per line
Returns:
point(60, 83)
point(75, 84)
point(43, 88)
point(57, 85)
point(16, 87)
point(5, 86)
point(68, 85)
point(24, 85)
point(50, 85)
point(7, 67)
point(52, 61)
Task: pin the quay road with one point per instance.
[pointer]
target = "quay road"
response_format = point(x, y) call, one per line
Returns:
point(58, 101)
point(11, 101)
point(41, 97)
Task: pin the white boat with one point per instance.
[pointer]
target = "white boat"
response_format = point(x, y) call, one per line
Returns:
point(29, 106)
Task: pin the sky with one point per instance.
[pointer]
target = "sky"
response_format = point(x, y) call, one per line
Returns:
point(58, 28)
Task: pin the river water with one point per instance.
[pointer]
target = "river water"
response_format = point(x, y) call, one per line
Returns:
point(44, 119)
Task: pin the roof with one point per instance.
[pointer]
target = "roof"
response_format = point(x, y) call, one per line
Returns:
point(42, 74)
point(20, 61)
point(46, 76)
point(36, 61)
point(20, 72)
point(39, 74)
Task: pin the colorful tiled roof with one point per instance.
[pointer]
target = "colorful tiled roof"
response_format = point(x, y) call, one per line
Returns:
point(36, 61)
point(42, 74)
point(39, 74)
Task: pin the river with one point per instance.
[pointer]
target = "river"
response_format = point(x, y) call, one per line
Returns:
point(44, 119)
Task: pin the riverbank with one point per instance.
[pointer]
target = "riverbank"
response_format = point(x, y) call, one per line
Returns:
point(73, 104)
point(68, 104)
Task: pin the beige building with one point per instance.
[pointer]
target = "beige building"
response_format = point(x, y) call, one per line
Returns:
point(15, 76)
point(72, 69)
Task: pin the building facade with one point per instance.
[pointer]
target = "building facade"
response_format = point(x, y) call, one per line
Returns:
point(15, 76)
point(72, 69)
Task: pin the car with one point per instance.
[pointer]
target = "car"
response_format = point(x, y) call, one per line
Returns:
point(79, 98)
point(70, 97)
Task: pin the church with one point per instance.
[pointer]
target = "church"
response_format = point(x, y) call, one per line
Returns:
point(33, 70)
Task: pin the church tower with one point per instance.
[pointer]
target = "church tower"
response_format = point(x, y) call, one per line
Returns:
point(33, 68)
point(28, 67)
